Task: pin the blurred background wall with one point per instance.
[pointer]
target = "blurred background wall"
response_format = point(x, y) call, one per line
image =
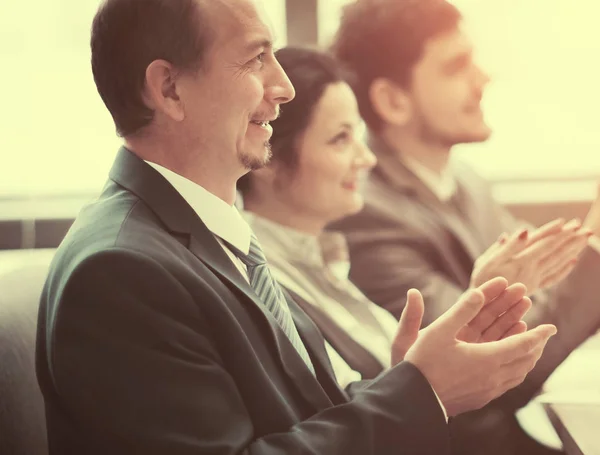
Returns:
point(57, 140)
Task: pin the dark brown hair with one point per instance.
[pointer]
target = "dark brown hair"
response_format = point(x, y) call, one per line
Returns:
point(128, 35)
point(385, 39)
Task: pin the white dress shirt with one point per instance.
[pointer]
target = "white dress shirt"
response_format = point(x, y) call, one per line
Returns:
point(226, 223)
point(443, 186)
point(222, 219)
point(316, 268)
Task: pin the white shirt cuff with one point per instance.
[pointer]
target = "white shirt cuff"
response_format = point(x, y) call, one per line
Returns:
point(441, 404)
point(594, 243)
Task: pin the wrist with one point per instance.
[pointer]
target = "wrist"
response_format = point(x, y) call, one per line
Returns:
point(594, 242)
point(433, 388)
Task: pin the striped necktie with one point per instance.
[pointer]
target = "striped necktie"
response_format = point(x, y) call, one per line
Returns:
point(270, 294)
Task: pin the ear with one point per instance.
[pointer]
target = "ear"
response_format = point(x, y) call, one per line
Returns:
point(162, 92)
point(391, 102)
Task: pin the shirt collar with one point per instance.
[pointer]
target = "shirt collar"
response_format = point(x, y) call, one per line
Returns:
point(443, 186)
point(406, 171)
point(222, 219)
point(327, 250)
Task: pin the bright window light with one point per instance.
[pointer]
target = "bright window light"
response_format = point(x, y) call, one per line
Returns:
point(56, 136)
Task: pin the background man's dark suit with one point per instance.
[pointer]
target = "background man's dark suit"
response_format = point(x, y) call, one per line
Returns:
point(406, 237)
point(151, 341)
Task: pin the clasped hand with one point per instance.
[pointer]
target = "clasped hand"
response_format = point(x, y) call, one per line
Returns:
point(477, 350)
point(538, 259)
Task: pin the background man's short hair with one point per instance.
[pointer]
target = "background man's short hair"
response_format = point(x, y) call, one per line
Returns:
point(386, 38)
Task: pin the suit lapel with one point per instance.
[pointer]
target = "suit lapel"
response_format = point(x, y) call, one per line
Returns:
point(396, 175)
point(459, 221)
point(313, 341)
point(480, 207)
point(353, 353)
point(205, 247)
point(135, 175)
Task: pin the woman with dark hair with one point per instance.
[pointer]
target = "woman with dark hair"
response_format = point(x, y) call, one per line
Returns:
point(314, 176)
point(313, 179)
point(319, 160)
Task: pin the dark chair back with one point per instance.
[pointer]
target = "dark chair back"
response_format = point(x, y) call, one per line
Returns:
point(22, 415)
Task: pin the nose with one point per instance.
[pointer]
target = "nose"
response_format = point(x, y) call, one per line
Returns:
point(280, 89)
point(481, 76)
point(365, 158)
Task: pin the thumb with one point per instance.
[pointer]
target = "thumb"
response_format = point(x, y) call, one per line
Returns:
point(409, 325)
point(461, 313)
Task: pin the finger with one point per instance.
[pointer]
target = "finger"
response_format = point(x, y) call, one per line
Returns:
point(555, 267)
point(551, 228)
point(513, 373)
point(502, 239)
point(516, 242)
point(519, 327)
point(574, 223)
point(409, 325)
point(557, 277)
point(523, 365)
point(461, 313)
point(501, 325)
point(512, 348)
point(493, 288)
point(493, 310)
point(565, 252)
point(517, 371)
point(551, 243)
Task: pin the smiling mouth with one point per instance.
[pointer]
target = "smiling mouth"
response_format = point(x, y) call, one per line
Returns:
point(259, 123)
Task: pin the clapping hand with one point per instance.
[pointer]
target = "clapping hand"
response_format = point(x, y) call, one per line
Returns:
point(538, 259)
point(475, 351)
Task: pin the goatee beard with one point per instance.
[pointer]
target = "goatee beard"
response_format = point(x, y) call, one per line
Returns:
point(253, 163)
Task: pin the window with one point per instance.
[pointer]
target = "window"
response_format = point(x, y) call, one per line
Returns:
point(57, 136)
point(542, 102)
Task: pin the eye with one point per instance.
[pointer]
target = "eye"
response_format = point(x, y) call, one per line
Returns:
point(341, 138)
point(458, 65)
point(259, 59)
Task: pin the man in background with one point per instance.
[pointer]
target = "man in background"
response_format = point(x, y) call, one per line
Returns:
point(427, 220)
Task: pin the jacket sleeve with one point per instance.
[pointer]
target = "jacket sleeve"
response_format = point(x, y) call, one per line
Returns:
point(386, 265)
point(142, 373)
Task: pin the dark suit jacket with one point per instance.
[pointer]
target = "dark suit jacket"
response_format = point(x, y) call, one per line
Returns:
point(405, 237)
point(151, 342)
